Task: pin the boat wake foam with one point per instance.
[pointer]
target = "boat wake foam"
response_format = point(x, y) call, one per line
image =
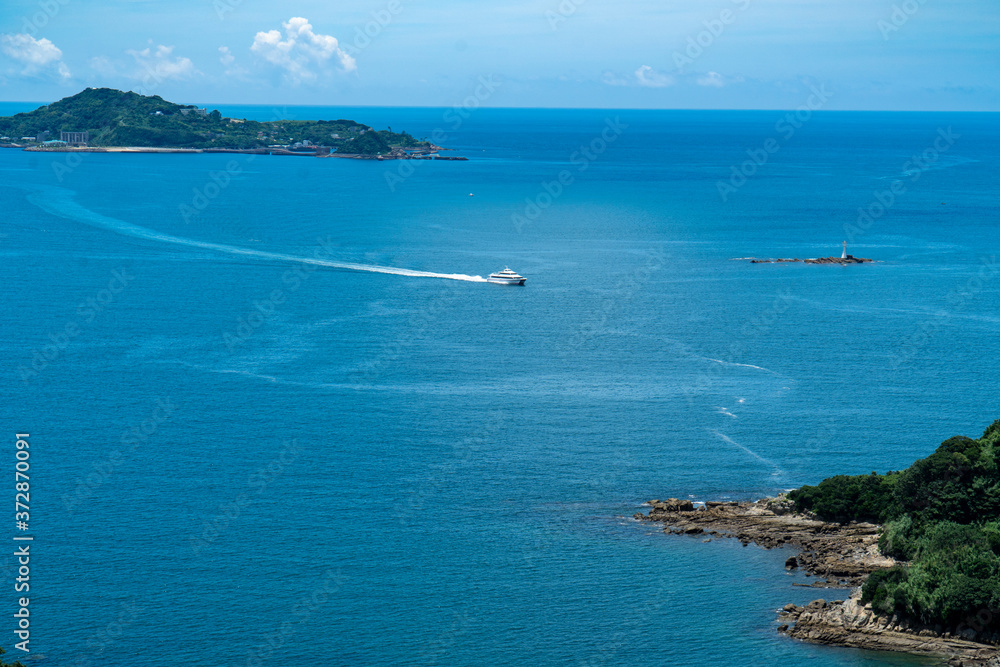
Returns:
point(778, 472)
point(733, 363)
point(60, 202)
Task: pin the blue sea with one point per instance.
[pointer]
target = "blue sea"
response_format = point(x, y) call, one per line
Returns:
point(251, 443)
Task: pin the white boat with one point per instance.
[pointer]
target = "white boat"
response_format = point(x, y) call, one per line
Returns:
point(506, 277)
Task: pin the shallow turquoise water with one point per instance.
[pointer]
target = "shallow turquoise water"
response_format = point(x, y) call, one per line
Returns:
point(465, 455)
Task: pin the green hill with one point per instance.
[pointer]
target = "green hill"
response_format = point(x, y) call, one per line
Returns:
point(116, 118)
point(942, 521)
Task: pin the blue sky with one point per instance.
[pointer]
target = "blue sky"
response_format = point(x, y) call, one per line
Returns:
point(743, 54)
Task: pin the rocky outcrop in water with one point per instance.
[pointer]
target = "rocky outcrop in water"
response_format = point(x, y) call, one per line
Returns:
point(853, 624)
point(672, 505)
point(836, 556)
point(850, 259)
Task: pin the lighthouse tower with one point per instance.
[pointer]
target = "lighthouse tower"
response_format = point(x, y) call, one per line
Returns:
point(843, 255)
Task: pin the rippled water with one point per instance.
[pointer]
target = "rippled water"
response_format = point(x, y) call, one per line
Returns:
point(339, 466)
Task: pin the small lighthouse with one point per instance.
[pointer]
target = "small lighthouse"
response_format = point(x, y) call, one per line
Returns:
point(843, 255)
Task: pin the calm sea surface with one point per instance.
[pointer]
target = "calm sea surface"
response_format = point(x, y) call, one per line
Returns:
point(241, 459)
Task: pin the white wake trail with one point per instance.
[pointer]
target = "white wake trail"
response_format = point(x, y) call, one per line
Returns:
point(778, 472)
point(60, 202)
point(733, 363)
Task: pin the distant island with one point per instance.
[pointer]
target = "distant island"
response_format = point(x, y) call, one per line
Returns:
point(921, 547)
point(843, 259)
point(109, 120)
point(849, 259)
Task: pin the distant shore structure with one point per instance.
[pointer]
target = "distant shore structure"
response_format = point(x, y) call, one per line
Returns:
point(75, 138)
point(843, 255)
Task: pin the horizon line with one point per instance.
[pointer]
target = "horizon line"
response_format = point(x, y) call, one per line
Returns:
point(548, 108)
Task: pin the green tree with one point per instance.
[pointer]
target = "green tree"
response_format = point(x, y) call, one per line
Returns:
point(942, 519)
point(16, 663)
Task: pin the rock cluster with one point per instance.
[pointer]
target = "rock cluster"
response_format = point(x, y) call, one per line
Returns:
point(853, 624)
point(837, 556)
point(850, 259)
point(671, 505)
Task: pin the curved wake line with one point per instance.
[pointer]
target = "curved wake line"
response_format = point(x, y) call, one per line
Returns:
point(733, 363)
point(60, 202)
point(778, 472)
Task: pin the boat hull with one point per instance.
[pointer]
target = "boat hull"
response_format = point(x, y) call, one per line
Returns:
point(506, 281)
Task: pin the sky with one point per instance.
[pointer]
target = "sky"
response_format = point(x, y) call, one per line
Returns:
point(659, 54)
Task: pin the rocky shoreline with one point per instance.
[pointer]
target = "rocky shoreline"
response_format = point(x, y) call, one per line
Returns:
point(837, 556)
point(850, 259)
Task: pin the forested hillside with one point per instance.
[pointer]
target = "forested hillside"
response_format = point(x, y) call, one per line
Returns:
point(116, 118)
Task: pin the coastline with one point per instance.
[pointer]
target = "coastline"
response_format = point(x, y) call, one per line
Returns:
point(838, 556)
point(395, 155)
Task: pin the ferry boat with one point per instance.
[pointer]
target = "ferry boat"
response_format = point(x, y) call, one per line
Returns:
point(506, 277)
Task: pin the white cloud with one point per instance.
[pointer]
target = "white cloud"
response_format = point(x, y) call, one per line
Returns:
point(159, 65)
point(228, 61)
point(37, 55)
point(103, 66)
point(612, 79)
point(713, 79)
point(650, 78)
point(716, 80)
point(302, 54)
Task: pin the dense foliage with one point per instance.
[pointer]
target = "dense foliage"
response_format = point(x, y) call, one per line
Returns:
point(116, 118)
point(369, 143)
point(850, 498)
point(16, 663)
point(942, 519)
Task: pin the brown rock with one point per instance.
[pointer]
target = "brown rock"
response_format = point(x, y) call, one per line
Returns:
point(675, 505)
